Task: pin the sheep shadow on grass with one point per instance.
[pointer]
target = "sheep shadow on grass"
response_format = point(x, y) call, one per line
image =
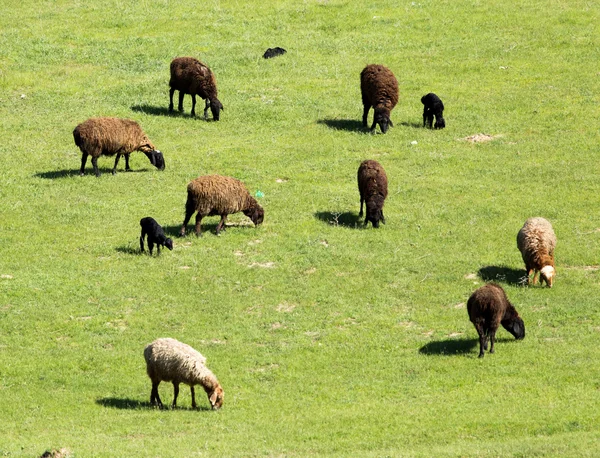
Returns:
point(450, 347)
point(134, 404)
point(503, 274)
point(158, 111)
point(346, 219)
point(349, 125)
point(414, 125)
point(65, 173)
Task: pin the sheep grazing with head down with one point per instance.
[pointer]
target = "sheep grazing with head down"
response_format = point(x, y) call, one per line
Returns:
point(172, 361)
point(379, 89)
point(373, 189)
point(433, 106)
point(156, 235)
point(489, 308)
point(536, 241)
point(109, 136)
point(219, 195)
point(190, 76)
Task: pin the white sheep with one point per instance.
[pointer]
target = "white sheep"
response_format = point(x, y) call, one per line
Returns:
point(172, 361)
point(536, 242)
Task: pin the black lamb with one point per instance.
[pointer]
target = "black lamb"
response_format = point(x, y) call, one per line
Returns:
point(488, 308)
point(433, 107)
point(155, 235)
point(273, 52)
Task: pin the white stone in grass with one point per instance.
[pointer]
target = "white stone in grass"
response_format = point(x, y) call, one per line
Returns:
point(6, 276)
point(414, 142)
point(23, 96)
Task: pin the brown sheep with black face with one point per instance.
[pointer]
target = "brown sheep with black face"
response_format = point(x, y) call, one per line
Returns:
point(219, 195)
point(379, 89)
point(190, 76)
point(373, 189)
point(109, 136)
point(489, 308)
point(536, 242)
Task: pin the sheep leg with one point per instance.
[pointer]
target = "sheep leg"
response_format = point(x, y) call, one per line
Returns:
point(158, 249)
point(180, 106)
point(492, 339)
point(95, 164)
point(154, 397)
point(84, 157)
point(535, 276)
point(198, 227)
point(142, 240)
point(482, 339)
point(193, 397)
point(127, 169)
point(193, 105)
point(366, 113)
point(221, 223)
point(175, 393)
point(424, 116)
point(171, 92)
point(114, 170)
point(150, 244)
point(360, 213)
point(206, 106)
point(382, 217)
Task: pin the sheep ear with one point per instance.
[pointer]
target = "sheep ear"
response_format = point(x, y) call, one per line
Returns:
point(213, 398)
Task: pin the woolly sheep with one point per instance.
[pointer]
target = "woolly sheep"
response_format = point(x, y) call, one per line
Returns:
point(156, 235)
point(169, 360)
point(433, 106)
point(190, 76)
point(373, 189)
point(109, 136)
point(219, 195)
point(379, 89)
point(536, 241)
point(489, 307)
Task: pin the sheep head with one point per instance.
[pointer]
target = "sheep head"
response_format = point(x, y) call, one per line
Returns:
point(382, 118)
point(375, 211)
point(155, 156)
point(216, 397)
point(439, 122)
point(515, 326)
point(547, 275)
point(169, 244)
point(256, 214)
point(215, 107)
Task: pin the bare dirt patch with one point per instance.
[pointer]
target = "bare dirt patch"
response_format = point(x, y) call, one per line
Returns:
point(481, 138)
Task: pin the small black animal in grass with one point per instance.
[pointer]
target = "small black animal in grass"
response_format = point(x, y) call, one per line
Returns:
point(273, 52)
point(433, 106)
point(156, 235)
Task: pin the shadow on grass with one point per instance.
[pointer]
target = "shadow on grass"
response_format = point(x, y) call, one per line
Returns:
point(349, 125)
point(346, 219)
point(449, 347)
point(128, 250)
point(54, 174)
point(503, 274)
point(132, 404)
point(414, 125)
point(157, 111)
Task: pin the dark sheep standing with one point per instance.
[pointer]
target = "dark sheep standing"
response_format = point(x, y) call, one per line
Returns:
point(155, 235)
point(274, 52)
point(488, 308)
point(433, 106)
point(109, 136)
point(219, 195)
point(190, 76)
point(379, 89)
point(373, 189)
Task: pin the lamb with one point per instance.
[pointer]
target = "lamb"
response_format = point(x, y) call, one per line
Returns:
point(219, 195)
point(273, 52)
point(379, 89)
point(489, 307)
point(155, 235)
point(109, 136)
point(172, 361)
point(373, 189)
point(190, 76)
point(536, 241)
point(433, 106)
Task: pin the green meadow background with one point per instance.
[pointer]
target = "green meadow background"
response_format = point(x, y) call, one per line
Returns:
point(329, 339)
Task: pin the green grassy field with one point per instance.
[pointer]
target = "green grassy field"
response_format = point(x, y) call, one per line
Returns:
point(329, 339)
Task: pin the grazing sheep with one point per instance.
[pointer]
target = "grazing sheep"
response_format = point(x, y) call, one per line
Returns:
point(489, 307)
point(373, 189)
point(379, 89)
point(536, 241)
point(190, 76)
point(155, 235)
point(218, 195)
point(433, 107)
point(109, 136)
point(273, 52)
point(172, 361)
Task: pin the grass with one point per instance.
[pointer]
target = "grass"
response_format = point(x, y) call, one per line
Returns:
point(329, 339)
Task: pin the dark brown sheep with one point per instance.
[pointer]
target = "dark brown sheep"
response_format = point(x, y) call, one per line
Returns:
point(379, 89)
point(433, 106)
point(218, 195)
point(190, 76)
point(373, 189)
point(109, 136)
point(489, 308)
point(536, 242)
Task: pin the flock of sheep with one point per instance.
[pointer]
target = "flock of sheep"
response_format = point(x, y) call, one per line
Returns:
point(173, 361)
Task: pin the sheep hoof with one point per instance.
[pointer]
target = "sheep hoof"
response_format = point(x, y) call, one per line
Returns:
point(114, 172)
point(481, 355)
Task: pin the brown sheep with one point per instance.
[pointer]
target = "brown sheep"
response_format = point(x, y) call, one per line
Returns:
point(190, 76)
point(379, 89)
point(488, 308)
point(219, 195)
point(536, 241)
point(109, 136)
point(373, 189)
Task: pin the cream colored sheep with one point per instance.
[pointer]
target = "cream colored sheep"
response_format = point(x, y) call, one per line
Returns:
point(172, 361)
point(536, 241)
